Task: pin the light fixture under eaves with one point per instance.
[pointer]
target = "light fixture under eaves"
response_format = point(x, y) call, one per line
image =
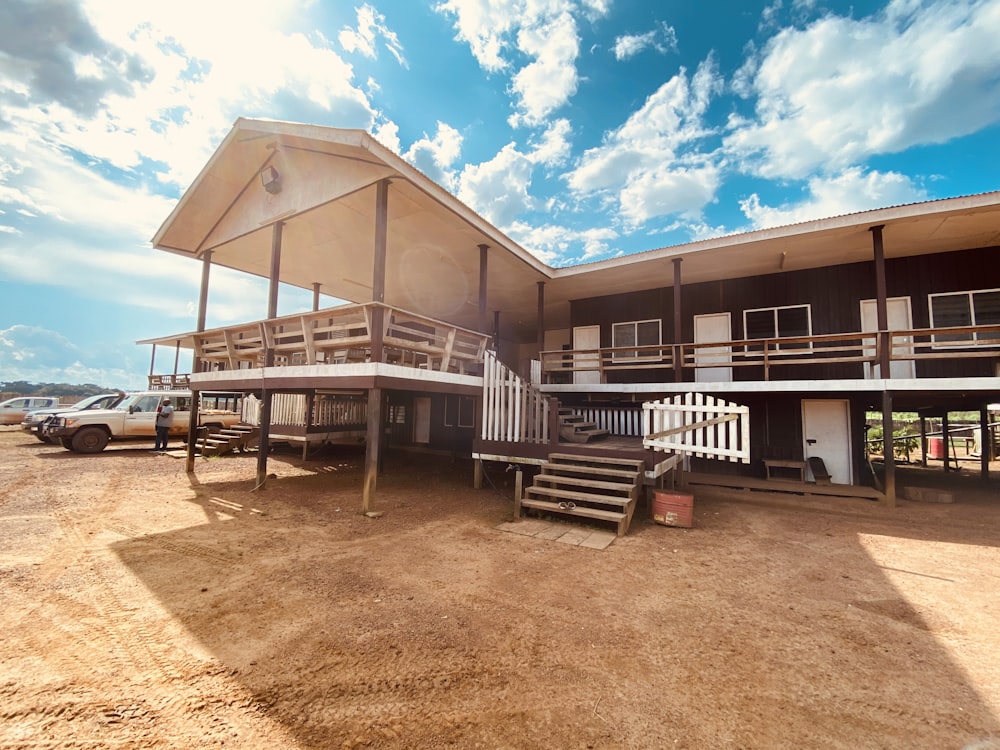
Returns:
point(270, 179)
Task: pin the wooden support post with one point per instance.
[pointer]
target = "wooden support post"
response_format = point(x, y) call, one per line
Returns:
point(177, 357)
point(984, 443)
point(272, 291)
point(496, 333)
point(377, 331)
point(678, 327)
point(264, 439)
point(923, 441)
point(881, 306)
point(477, 474)
point(192, 439)
point(316, 286)
point(541, 318)
point(310, 403)
point(945, 440)
point(518, 492)
point(192, 442)
point(206, 269)
point(888, 450)
point(152, 363)
point(554, 421)
point(482, 286)
point(373, 445)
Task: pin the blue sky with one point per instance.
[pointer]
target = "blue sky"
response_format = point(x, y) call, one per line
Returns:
point(584, 129)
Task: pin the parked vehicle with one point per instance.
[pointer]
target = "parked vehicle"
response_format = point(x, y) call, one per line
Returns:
point(90, 431)
point(12, 410)
point(34, 420)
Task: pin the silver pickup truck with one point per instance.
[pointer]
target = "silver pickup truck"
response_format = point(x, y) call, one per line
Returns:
point(134, 417)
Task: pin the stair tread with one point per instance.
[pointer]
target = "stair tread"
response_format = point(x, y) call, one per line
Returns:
point(580, 496)
point(598, 484)
point(599, 470)
point(568, 459)
point(604, 515)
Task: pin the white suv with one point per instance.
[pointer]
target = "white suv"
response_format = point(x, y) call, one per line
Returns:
point(12, 410)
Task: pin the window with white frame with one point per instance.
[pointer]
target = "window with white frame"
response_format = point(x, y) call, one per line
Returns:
point(635, 333)
point(980, 307)
point(460, 411)
point(792, 321)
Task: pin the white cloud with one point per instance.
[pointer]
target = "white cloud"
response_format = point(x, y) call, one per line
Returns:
point(500, 34)
point(436, 156)
point(851, 191)
point(662, 39)
point(187, 83)
point(651, 166)
point(841, 90)
point(371, 26)
point(551, 79)
point(38, 355)
point(556, 245)
point(499, 189)
point(553, 147)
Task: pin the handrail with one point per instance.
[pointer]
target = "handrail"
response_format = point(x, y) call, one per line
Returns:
point(343, 334)
point(861, 347)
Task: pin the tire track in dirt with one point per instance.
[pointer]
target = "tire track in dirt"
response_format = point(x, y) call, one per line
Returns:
point(181, 548)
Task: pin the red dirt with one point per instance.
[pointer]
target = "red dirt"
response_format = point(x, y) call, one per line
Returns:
point(144, 608)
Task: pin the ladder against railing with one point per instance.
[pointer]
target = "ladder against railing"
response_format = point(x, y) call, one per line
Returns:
point(697, 425)
point(513, 410)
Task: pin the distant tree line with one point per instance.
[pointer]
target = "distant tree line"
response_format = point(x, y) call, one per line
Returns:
point(15, 388)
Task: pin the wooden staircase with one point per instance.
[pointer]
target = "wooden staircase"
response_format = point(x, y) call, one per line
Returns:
point(595, 487)
point(572, 428)
point(215, 441)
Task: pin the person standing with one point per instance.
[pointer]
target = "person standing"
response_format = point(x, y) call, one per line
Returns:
point(164, 419)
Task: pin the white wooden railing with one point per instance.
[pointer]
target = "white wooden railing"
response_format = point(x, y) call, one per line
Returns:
point(694, 424)
point(617, 420)
point(343, 335)
point(513, 410)
point(290, 409)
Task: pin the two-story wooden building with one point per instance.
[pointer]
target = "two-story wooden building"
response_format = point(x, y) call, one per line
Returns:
point(454, 337)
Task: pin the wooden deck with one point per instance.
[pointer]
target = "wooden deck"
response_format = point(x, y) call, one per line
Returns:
point(752, 484)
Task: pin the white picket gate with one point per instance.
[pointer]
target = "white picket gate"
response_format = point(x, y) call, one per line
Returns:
point(513, 411)
point(693, 424)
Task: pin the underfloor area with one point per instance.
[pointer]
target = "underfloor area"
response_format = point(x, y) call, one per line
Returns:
point(145, 608)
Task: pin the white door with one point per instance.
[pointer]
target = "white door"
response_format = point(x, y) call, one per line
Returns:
point(899, 319)
point(826, 433)
point(586, 337)
point(709, 329)
point(422, 420)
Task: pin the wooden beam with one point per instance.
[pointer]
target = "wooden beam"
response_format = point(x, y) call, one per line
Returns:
point(272, 292)
point(206, 269)
point(192, 438)
point(888, 450)
point(945, 441)
point(377, 328)
point(678, 328)
point(483, 250)
point(264, 440)
point(985, 443)
point(541, 316)
point(881, 306)
point(373, 446)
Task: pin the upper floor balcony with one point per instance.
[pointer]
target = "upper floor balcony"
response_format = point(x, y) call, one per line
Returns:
point(347, 334)
point(960, 351)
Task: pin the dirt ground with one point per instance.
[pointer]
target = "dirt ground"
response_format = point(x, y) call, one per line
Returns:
point(144, 608)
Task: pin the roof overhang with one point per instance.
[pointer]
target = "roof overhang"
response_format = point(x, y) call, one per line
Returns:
point(326, 206)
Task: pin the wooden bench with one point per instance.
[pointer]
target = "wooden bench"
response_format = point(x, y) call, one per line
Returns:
point(775, 463)
point(820, 473)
